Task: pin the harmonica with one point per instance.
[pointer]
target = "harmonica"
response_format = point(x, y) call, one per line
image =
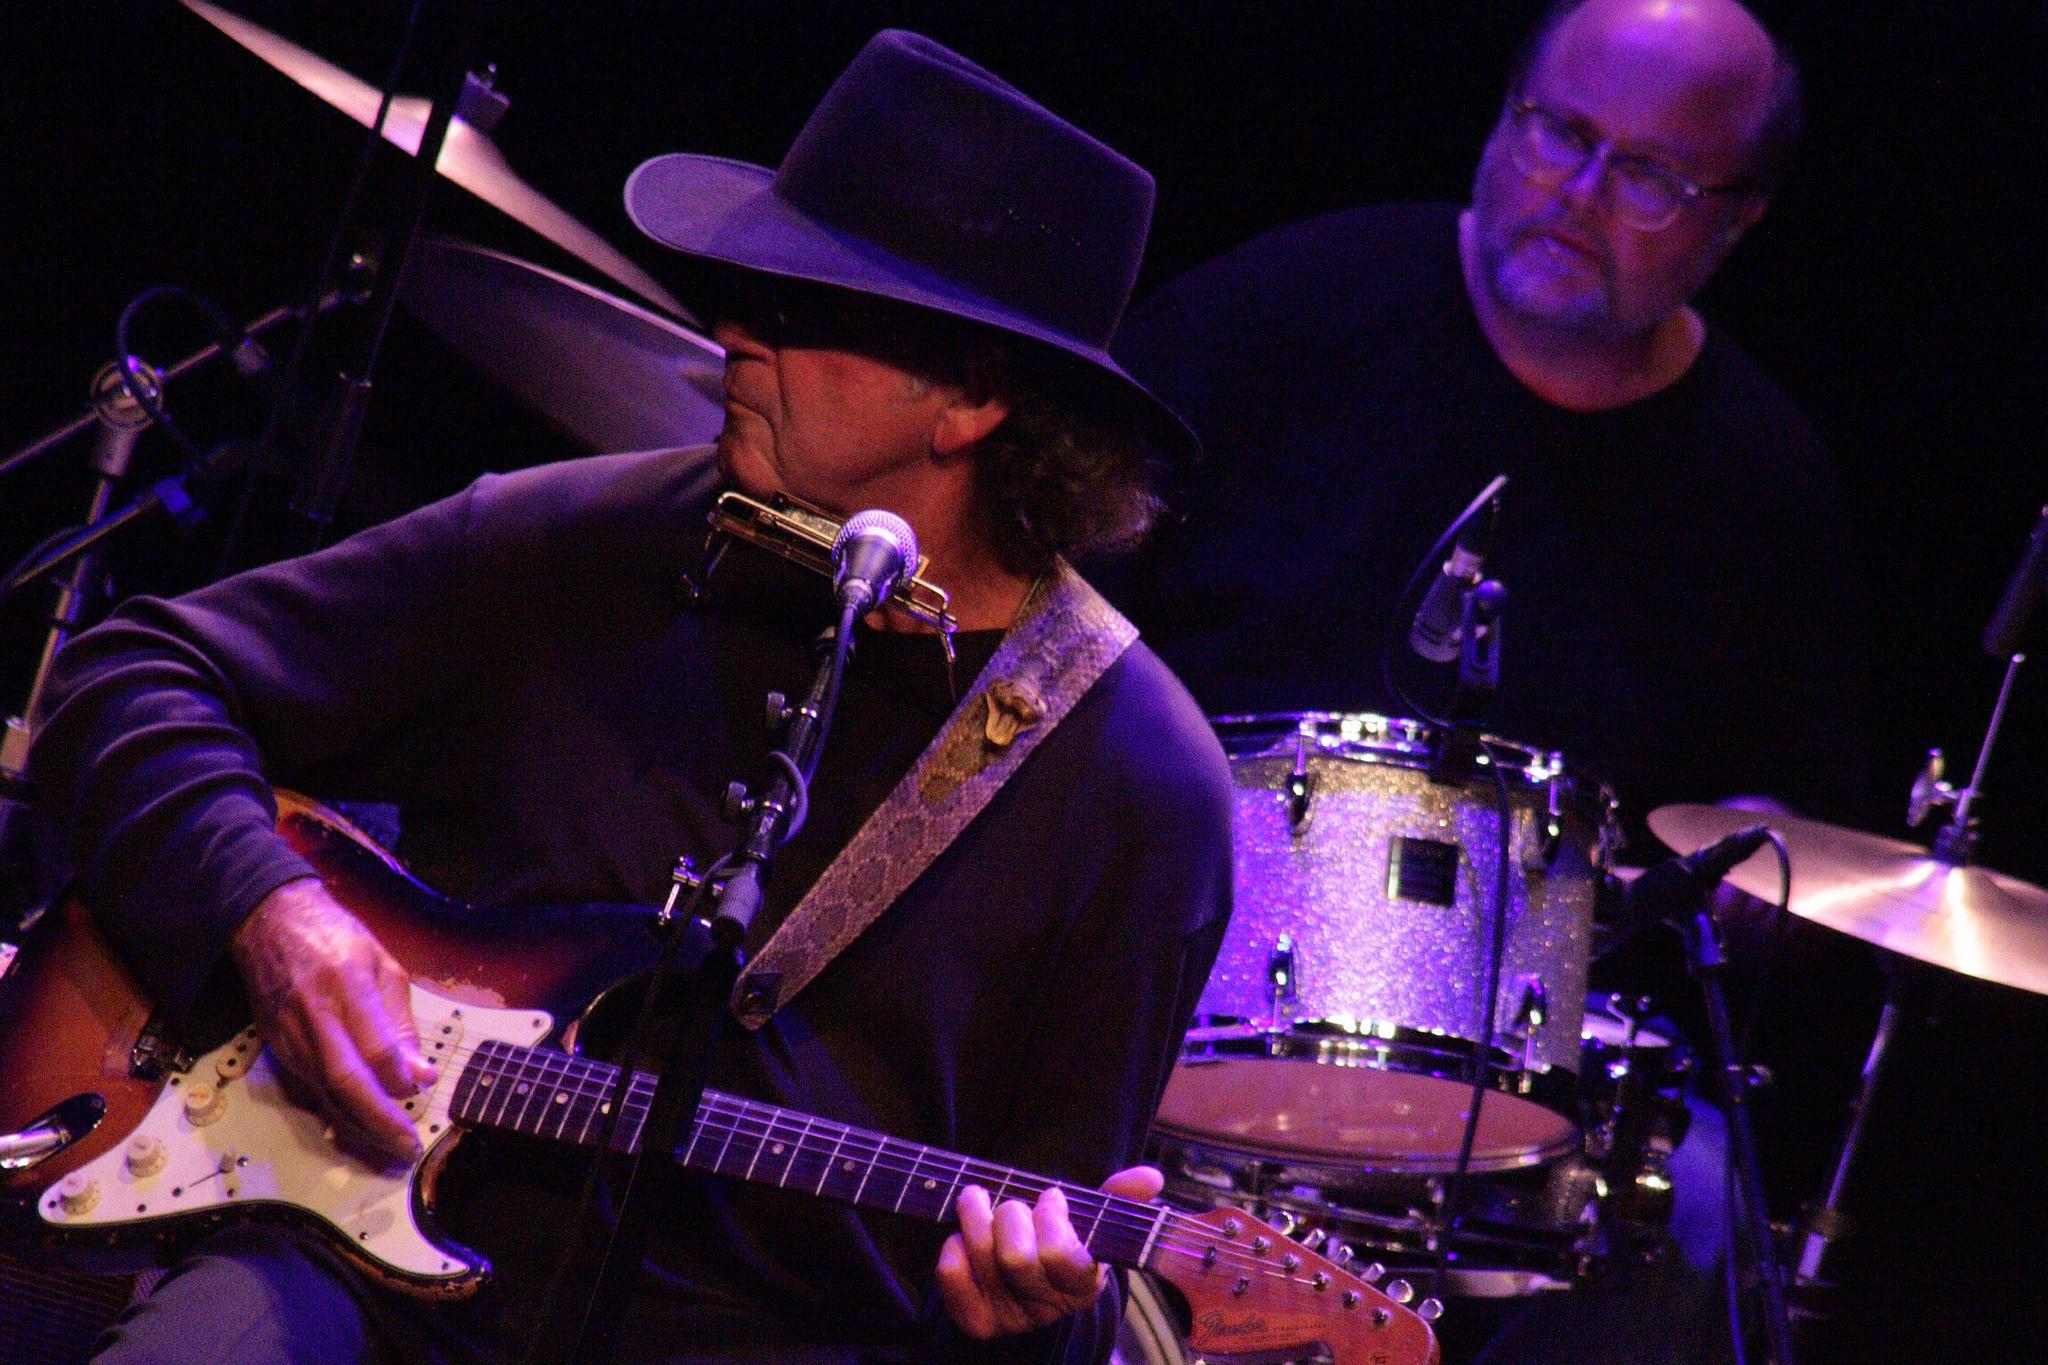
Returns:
point(805, 535)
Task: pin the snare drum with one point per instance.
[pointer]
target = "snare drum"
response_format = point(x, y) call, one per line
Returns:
point(1345, 1007)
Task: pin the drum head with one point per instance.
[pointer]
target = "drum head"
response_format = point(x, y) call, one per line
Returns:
point(1303, 1112)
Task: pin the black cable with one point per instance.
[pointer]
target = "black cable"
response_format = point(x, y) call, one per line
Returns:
point(1739, 1217)
point(615, 1106)
point(139, 386)
point(1482, 1069)
point(1781, 916)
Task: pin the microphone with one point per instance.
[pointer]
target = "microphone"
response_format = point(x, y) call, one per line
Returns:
point(1439, 621)
point(872, 551)
point(1676, 885)
point(2009, 622)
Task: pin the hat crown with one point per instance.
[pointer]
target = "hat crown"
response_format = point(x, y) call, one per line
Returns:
point(919, 152)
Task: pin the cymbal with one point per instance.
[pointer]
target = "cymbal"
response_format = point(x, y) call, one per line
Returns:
point(467, 157)
point(613, 375)
point(1889, 892)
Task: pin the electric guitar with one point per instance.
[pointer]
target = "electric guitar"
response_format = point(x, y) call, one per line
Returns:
point(111, 1131)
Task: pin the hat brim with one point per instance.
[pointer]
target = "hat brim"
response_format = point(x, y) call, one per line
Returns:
point(728, 211)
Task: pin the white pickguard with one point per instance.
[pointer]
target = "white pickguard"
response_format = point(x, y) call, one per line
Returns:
point(262, 1148)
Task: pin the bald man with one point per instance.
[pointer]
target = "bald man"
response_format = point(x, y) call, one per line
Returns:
point(1683, 619)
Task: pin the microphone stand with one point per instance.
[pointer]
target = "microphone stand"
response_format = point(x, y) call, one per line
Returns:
point(1706, 959)
point(736, 884)
point(23, 849)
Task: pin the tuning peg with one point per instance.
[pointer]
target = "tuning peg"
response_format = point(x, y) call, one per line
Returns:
point(1429, 1310)
point(1400, 1291)
point(1313, 1238)
point(1342, 1254)
point(1373, 1273)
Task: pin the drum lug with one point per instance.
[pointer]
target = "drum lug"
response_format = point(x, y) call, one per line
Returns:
point(1301, 791)
point(1283, 974)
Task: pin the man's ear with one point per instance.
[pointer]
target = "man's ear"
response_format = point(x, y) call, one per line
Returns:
point(1750, 210)
point(963, 422)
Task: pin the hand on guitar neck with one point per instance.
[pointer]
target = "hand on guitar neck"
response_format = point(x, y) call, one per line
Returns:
point(335, 1010)
point(1014, 1267)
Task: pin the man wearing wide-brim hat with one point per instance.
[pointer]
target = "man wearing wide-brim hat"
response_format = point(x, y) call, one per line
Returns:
point(1013, 869)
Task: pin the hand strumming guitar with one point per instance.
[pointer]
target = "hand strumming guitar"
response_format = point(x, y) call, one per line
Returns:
point(335, 1010)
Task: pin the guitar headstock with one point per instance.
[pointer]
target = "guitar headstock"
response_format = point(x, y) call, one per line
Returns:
point(1251, 1290)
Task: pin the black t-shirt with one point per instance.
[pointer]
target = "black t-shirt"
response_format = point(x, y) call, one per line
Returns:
point(1682, 612)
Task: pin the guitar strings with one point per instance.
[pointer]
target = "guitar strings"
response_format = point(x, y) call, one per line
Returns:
point(565, 1073)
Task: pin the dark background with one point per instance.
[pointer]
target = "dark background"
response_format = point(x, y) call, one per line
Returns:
point(1895, 289)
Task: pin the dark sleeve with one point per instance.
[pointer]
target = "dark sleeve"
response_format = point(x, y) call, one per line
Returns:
point(1094, 1060)
point(167, 724)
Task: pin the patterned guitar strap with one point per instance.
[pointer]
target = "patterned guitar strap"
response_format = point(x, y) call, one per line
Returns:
point(1065, 637)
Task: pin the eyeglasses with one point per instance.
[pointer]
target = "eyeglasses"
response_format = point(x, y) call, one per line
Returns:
point(1647, 195)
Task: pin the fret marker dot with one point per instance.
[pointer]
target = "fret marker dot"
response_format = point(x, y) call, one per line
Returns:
point(485, 1080)
point(776, 1149)
point(561, 1097)
point(930, 1184)
point(605, 1108)
point(846, 1165)
point(521, 1088)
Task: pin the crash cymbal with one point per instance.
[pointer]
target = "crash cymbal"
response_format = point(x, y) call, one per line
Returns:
point(1889, 892)
point(613, 375)
point(467, 157)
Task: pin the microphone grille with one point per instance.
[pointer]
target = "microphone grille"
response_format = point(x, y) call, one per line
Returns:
point(887, 525)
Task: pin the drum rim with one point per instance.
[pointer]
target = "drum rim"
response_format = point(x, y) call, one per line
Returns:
point(1444, 1058)
point(1412, 750)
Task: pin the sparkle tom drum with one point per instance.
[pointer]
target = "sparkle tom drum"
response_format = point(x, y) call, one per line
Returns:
point(1346, 1003)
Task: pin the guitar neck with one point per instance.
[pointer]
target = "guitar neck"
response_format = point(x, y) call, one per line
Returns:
point(554, 1095)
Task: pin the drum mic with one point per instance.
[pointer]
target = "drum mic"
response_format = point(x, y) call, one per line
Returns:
point(874, 549)
point(1438, 630)
point(1676, 886)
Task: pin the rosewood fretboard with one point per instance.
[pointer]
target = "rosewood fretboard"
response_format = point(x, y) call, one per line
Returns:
point(554, 1095)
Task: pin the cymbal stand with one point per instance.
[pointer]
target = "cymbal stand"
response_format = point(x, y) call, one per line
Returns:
point(1826, 1223)
point(1955, 844)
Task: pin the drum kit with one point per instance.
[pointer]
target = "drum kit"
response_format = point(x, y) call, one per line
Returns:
point(1328, 1083)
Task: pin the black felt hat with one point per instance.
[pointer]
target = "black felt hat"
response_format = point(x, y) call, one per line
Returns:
point(922, 178)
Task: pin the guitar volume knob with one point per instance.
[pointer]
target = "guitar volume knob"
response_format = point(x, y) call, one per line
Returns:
point(146, 1155)
point(203, 1104)
point(78, 1193)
